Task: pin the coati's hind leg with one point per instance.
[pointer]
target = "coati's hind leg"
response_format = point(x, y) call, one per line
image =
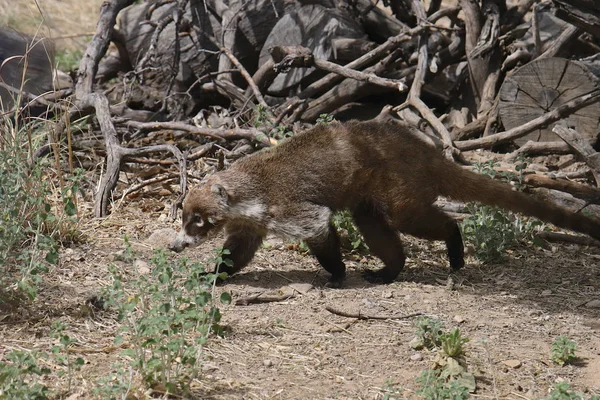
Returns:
point(432, 224)
point(326, 248)
point(383, 241)
point(242, 245)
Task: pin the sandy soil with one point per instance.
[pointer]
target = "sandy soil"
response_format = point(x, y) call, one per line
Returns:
point(296, 349)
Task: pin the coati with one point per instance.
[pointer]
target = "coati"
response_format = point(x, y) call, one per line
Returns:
point(378, 170)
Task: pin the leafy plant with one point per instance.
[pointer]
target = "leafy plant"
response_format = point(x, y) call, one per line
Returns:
point(169, 315)
point(350, 236)
point(325, 119)
point(562, 351)
point(449, 377)
point(435, 387)
point(452, 343)
point(428, 334)
point(492, 230)
point(562, 391)
point(61, 354)
point(116, 385)
point(20, 376)
point(27, 244)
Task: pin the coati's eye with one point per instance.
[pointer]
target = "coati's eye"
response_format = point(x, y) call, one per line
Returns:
point(198, 221)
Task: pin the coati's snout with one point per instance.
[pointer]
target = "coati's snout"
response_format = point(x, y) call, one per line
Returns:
point(183, 240)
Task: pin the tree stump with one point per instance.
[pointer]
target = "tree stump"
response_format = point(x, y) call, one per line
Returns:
point(543, 85)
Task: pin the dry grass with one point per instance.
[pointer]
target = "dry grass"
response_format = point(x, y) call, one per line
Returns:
point(69, 22)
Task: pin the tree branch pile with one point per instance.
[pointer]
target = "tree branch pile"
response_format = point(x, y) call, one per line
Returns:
point(185, 79)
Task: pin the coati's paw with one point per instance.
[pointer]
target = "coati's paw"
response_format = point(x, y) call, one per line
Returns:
point(457, 263)
point(378, 277)
point(335, 282)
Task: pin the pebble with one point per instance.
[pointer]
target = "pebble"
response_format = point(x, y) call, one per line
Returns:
point(142, 267)
point(593, 304)
point(416, 357)
point(459, 319)
point(546, 292)
point(268, 363)
point(512, 363)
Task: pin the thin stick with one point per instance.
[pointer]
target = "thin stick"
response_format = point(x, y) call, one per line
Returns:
point(366, 316)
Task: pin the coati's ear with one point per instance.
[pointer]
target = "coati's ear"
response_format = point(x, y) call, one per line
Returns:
point(221, 193)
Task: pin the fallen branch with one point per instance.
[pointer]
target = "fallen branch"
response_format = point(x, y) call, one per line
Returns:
point(539, 122)
point(301, 57)
point(259, 298)
point(358, 315)
point(582, 147)
point(222, 134)
point(565, 237)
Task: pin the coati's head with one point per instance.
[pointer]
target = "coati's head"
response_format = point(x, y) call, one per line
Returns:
point(204, 212)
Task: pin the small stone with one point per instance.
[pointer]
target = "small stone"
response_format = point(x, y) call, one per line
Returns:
point(142, 267)
point(512, 363)
point(301, 287)
point(162, 218)
point(268, 363)
point(593, 304)
point(388, 294)
point(416, 357)
point(459, 319)
point(546, 292)
point(161, 238)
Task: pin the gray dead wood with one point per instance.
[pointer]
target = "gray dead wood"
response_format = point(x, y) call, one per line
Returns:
point(359, 315)
point(537, 123)
point(543, 85)
point(581, 146)
point(565, 237)
point(312, 26)
point(300, 57)
point(584, 14)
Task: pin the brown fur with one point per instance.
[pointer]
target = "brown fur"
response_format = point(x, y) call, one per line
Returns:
point(380, 171)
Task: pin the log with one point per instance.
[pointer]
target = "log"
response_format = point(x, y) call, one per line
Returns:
point(314, 27)
point(542, 86)
point(584, 14)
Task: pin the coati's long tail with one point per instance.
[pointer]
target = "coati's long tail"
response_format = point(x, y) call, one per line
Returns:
point(464, 185)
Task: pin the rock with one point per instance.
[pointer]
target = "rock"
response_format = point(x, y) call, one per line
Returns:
point(388, 294)
point(546, 292)
point(268, 363)
point(416, 343)
point(593, 304)
point(459, 319)
point(301, 287)
point(142, 267)
point(161, 238)
point(416, 357)
point(512, 363)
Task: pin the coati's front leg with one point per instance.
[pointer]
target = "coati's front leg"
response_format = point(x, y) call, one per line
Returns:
point(242, 244)
point(326, 248)
point(383, 242)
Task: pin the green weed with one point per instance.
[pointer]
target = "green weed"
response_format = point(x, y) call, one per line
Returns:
point(20, 376)
point(562, 351)
point(168, 317)
point(563, 391)
point(428, 334)
point(491, 230)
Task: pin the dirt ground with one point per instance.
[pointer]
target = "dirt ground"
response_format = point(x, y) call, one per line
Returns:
point(296, 349)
